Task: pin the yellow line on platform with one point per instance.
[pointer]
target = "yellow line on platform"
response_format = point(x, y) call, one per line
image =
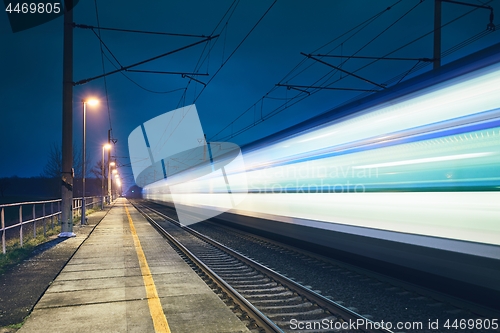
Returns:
point(159, 320)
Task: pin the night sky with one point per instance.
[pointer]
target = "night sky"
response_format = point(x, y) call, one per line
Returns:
point(31, 66)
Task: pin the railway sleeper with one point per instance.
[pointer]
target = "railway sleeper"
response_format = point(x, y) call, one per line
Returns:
point(275, 297)
point(246, 274)
point(227, 262)
point(278, 302)
point(300, 315)
point(279, 309)
point(243, 267)
point(246, 281)
point(264, 290)
point(254, 286)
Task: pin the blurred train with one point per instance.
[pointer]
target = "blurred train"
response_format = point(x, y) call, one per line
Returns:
point(406, 180)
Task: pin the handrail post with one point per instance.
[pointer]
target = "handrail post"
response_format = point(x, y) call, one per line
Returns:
point(34, 222)
point(51, 216)
point(3, 230)
point(21, 225)
point(44, 221)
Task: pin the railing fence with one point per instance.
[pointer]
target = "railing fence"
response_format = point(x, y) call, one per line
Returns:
point(27, 221)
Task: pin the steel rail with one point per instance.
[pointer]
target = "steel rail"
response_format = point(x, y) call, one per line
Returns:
point(260, 319)
point(332, 306)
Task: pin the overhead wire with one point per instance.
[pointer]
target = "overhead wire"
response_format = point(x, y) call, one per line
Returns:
point(333, 72)
point(425, 64)
point(197, 67)
point(103, 67)
point(414, 68)
point(233, 6)
point(103, 54)
point(229, 12)
point(85, 26)
point(106, 47)
point(361, 26)
point(236, 49)
point(139, 85)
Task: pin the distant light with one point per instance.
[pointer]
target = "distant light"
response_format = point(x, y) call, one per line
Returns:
point(115, 171)
point(112, 164)
point(91, 101)
point(132, 191)
point(107, 146)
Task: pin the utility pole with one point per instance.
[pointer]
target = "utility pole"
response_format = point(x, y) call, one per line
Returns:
point(67, 124)
point(437, 34)
point(437, 25)
point(109, 167)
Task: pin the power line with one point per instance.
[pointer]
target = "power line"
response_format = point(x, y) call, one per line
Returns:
point(286, 105)
point(103, 67)
point(145, 61)
point(140, 86)
point(234, 51)
point(86, 26)
point(343, 70)
point(361, 26)
point(199, 63)
point(422, 65)
point(373, 58)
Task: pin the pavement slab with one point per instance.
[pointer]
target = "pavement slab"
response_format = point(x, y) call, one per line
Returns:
point(23, 285)
point(121, 278)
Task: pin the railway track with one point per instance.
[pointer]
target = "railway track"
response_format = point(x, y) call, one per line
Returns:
point(272, 302)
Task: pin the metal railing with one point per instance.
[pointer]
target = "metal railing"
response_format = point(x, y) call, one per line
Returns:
point(33, 212)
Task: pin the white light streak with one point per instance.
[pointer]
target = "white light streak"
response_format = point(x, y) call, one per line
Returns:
point(424, 160)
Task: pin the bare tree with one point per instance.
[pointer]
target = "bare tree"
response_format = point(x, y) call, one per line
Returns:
point(97, 170)
point(53, 167)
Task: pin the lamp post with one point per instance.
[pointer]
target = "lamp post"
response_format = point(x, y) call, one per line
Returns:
point(117, 181)
point(90, 102)
point(109, 179)
point(118, 184)
point(107, 146)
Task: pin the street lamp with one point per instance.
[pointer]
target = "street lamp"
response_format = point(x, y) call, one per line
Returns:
point(109, 180)
point(119, 184)
point(107, 146)
point(91, 102)
point(117, 180)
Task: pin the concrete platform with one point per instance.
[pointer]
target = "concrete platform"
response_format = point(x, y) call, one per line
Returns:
point(126, 278)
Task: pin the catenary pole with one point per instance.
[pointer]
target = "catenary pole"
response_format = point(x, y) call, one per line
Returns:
point(109, 167)
point(67, 125)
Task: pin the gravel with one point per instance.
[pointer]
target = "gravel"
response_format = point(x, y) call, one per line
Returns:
point(376, 300)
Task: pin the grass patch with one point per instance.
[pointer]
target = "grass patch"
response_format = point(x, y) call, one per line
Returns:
point(16, 254)
point(11, 328)
point(16, 326)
